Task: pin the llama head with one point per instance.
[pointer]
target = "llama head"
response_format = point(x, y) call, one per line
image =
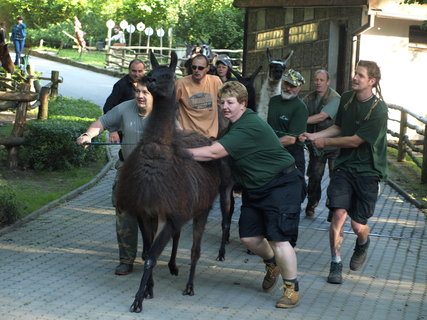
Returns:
point(277, 66)
point(161, 79)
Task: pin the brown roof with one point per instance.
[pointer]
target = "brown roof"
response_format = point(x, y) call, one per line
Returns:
point(297, 3)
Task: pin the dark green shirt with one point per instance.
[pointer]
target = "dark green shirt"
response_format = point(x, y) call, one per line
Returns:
point(288, 118)
point(370, 158)
point(257, 156)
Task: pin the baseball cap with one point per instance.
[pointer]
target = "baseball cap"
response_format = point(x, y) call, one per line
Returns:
point(293, 77)
point(224, 59)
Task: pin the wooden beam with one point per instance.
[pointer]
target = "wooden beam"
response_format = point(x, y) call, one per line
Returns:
point(12, 141)
point(23, 96)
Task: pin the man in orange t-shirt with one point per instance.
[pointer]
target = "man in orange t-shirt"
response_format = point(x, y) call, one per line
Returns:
point(197, 95)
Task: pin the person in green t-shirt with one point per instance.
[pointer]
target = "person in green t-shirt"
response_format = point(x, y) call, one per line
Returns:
point(287, 115)
point(272, 189)
point(360, 131)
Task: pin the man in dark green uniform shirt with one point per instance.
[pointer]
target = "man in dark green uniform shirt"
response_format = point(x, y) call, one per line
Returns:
point(360, 131)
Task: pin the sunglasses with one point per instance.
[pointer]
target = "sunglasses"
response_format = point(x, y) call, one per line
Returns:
point(200, 68)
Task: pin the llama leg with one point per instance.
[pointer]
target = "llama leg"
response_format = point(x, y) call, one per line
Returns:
point(146, 286)
point(146, 240)
point(199, 223)
point(227, 209)
point(173, 269)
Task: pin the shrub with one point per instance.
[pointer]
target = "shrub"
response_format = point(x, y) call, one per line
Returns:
point(51, 145)
point(9, 207)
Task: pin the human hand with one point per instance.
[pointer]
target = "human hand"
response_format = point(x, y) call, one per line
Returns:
point(84, 138)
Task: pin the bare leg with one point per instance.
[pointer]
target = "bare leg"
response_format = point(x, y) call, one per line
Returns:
point(336, 235)
point(259, 245)
point(361, 230)
point(286, 259)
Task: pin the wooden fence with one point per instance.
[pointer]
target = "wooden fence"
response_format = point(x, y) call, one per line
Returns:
point(20, 99)
point(119, 56)
point(406, 146)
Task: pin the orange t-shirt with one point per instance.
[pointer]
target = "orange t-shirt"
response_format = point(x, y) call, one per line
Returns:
point(198, 104)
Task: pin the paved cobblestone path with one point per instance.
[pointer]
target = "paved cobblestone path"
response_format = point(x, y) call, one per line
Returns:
point(60, 265)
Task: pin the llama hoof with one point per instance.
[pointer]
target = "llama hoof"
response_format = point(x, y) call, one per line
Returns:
point(136, 306)
point(173, 269)
point(149, 294)
point(189, 291)
point(220, 257)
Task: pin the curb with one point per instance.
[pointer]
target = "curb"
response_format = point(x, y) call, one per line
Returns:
point(73, 63)
point(64, 198)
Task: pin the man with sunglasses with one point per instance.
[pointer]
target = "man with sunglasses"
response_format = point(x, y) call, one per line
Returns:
point(197, 95)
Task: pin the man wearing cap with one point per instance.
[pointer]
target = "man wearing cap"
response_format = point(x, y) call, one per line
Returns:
point(197, 95)
point(287, 115)
point(18, 39)
point(322, 104)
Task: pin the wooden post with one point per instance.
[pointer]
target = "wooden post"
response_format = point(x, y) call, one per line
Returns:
point(123, 60)
point(424, 166)
point(54, 87)
point(18, 129)
point(402, 134)
point(44, 104)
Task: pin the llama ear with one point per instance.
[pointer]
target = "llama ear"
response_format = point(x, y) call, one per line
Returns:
point(253, 76)
point(236, 74)
point(153, 60)
point(174, 61)
point(269, 56)
point(286, 59)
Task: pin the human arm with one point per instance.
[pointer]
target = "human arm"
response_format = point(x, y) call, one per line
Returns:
point(94, 130)
point(316, 118)
point(287, 140)
point(208, 153)
point(341, 142)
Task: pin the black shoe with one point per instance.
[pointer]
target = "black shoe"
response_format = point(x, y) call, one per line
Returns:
point(359, 255)
point(335, 273)
point(123, 269)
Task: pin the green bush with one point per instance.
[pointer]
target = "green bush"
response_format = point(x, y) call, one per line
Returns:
point(9, 206)
point(51, 144)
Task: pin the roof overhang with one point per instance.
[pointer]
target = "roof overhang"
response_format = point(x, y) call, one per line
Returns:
point(297, 3)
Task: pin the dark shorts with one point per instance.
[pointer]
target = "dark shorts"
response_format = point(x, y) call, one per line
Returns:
point(356, 194)
point(273, 210)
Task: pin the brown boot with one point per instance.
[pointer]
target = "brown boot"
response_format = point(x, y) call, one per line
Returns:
point(291, 297)
point(271, 276)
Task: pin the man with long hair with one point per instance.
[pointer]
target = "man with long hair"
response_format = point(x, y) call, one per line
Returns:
point(360, 131)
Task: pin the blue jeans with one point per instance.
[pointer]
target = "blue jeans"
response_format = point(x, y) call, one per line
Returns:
point(19, 47)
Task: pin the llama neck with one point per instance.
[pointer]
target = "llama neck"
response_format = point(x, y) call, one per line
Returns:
point(161, 122)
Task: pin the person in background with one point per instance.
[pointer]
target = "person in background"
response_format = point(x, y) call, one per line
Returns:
point(360, 130)
point(287, 115)
point(322, 104)
point(223, 68)
point(129, 117)
point(124, 90)
point(18, 38)
point(118, 37)
point(197, 95)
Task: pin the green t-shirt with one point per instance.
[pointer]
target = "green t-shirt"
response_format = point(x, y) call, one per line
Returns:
point(257, 155)
point(370, 158)
point(288, 118)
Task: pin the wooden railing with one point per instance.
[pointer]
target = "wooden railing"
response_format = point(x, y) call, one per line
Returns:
point(120, 56)
point(21, 99)
point(406, 146)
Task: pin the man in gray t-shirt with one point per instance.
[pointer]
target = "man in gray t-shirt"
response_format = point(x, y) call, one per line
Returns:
point(322, 105)
point(130, 118)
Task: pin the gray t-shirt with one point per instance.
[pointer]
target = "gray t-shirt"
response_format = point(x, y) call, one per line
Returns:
point(125, 117)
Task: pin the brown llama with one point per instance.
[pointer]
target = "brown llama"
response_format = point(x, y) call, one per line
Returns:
point(6, 61)
point(272, 84)
point(163, 185)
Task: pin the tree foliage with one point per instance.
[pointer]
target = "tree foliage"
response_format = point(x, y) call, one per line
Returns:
point(215, 22)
